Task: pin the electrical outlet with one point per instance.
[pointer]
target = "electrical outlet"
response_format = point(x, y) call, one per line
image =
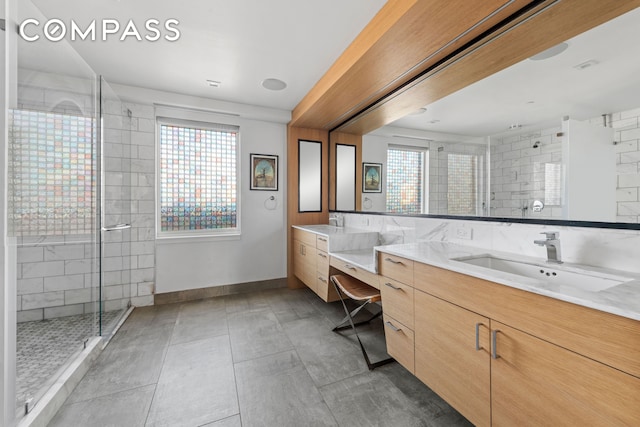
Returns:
point(464, 233)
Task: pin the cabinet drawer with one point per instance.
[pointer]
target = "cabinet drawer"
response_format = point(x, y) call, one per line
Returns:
point(322, 261)
point(324, 287)
point(397, 300)
point(367, 277)
point(395, 267)
point(400, 341)
point(304, 236)
point(322, 243)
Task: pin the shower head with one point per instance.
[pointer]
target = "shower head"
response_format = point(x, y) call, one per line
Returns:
point(536, 144)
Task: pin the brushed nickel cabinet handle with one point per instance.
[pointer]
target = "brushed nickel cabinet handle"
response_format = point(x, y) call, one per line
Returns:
point(393, 261)
point(322, 239)
point(392, 326)
point(322, 255)
point(392, 287)
point(494, 340)
point(349, 267)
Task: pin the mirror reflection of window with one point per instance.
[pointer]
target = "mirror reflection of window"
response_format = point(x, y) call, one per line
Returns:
point(553, 183)
point(462, 184)
point(406, 180)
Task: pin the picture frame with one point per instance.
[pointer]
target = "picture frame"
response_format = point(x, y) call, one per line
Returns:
point(372, 177)
point(264, 172)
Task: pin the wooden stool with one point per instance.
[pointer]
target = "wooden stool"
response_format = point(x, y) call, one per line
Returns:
point(358, 291)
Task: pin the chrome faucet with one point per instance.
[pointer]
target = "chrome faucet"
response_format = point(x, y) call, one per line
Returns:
point(552, 242)
point(336, 219)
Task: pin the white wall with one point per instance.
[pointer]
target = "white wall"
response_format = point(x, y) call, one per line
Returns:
point(260, 252)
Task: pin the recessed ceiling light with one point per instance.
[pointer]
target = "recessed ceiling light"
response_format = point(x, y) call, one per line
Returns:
point(586, 64)
point(418, 112)
point(273, 84)
point(551, 52)
point(214, 83)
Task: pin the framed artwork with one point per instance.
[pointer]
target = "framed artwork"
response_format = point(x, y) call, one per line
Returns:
point(264, 172)
point(372, 177)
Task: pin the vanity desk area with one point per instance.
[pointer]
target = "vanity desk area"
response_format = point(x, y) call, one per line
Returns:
point(500, 347)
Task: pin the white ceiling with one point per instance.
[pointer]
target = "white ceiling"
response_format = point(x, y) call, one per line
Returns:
point(540, 93)
point(237, 42)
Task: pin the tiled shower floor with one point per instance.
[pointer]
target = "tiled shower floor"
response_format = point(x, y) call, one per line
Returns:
point(44, 346)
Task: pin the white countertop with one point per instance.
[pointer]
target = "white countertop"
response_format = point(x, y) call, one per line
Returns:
point(329, 230)
point(622, 300)
point(362, 258)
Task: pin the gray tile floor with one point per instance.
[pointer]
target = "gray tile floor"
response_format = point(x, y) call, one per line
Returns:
point(45, 346)
point(261, 359)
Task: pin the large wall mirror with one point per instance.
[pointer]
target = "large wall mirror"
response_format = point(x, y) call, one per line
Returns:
point(553, 137)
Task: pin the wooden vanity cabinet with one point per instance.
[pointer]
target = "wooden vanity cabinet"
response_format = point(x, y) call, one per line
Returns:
point(396, 290)
point(534, 382)
point(537, 373)
point(452, 356)
point(311, 263)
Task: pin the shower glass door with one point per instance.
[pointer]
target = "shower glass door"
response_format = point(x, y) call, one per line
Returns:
point(52, 209)
point(115, 199)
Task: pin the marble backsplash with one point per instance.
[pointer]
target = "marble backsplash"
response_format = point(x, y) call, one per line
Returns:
point(608, 248)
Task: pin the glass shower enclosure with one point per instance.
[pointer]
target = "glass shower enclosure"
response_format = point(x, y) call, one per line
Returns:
point(68, 210)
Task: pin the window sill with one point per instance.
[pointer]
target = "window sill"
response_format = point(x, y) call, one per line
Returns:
point(163, 239)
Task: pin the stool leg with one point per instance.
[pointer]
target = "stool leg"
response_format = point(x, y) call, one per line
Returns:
point(349, 318)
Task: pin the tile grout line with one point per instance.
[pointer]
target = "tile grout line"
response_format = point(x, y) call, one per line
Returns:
point(164, 358)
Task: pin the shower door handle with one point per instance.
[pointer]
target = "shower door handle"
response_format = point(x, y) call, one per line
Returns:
point(116, 227)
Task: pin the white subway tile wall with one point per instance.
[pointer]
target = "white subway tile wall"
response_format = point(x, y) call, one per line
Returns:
point(627, 137)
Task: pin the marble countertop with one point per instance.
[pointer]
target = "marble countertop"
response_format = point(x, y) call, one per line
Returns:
point(329, 230)
point(359, 248)
point(362, 258)
point(622, 300)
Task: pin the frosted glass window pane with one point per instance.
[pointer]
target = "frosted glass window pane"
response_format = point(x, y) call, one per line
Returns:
point(52, 174)
point(198, 179)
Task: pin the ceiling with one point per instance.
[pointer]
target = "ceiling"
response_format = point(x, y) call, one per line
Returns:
point(237, 42)
point(537, 94)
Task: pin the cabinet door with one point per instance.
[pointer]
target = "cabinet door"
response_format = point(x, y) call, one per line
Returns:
point(447, 359)
point(298, 260)
point(309, 275)
point(538, 383)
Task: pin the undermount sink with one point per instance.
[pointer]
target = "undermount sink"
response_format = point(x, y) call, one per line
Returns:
point(590, 281)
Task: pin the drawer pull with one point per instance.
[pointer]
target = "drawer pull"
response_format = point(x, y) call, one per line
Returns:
point(322, 278)
point(478, 347)
point(392, 326)
point(322, 255)
point(392, 287)
point(494, 339)
point(350, 267)
point(322, 239)
point(393, 261)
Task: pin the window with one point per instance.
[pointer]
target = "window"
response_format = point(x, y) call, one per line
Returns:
point(406, 180)
point(52, 174)
point(462, 188)
point(198, 179)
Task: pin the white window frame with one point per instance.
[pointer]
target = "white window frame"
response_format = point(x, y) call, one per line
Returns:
point(210, 233)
